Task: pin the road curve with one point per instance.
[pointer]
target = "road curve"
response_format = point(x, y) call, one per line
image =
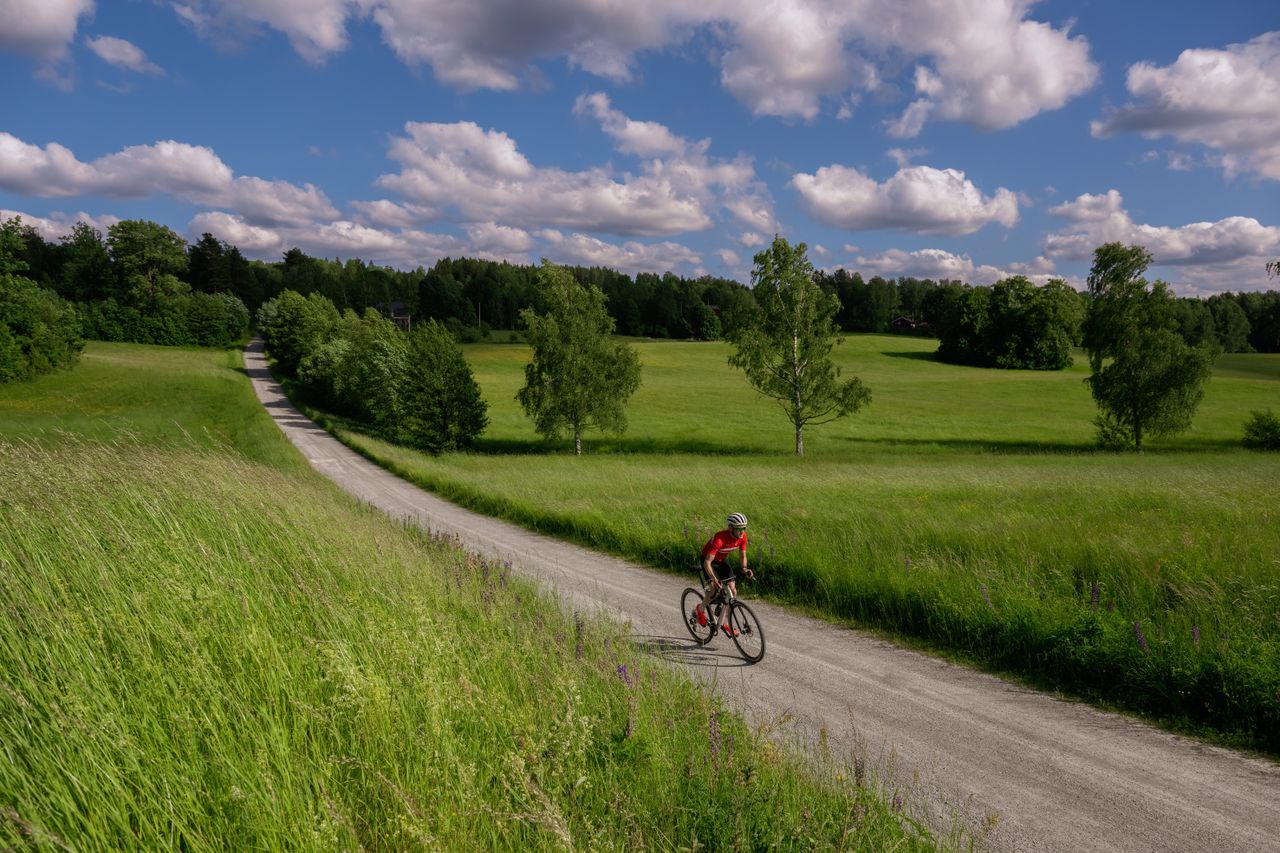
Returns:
point(1046, 773)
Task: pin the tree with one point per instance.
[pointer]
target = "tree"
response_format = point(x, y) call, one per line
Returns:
point(149, 259)
point(1146, 380)
point(443, 409)
point(785, 348)
point(86, 265)
point(578, 378)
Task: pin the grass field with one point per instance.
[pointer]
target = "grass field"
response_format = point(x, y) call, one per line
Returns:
point(206, 646)
point(965, 508)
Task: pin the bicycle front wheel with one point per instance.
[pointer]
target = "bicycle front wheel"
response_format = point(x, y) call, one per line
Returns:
point(690, 600)
point(748, 635)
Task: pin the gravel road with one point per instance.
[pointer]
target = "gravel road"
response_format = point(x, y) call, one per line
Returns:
point(1045, 773)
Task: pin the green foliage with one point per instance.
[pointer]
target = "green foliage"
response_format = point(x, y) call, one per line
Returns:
point(784, 349)
point(149, 259)
point(12, 247)
point(86, 265)
point(294, 326)
point(578, 378)
point(443, 409)
point(1262, 431)
point(1146, 381)
point(1013, 324)
point(41, 332)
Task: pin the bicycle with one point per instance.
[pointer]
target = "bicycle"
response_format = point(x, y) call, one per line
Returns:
point(748, 633)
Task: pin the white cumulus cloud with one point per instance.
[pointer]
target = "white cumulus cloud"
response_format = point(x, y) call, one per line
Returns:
point(1227, 100)
point(1098, 219)
point(123, 54)
point(55, 226)
point(919, 199)
point(984, 62)
point(482, 176)
point(189, 172)
point(630, 257)
point(41, 29)
point(936, 264)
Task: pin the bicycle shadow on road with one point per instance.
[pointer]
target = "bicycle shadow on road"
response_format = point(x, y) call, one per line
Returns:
point(687, 652)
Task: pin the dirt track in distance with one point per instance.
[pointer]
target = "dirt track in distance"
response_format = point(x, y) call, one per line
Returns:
point(1053, 775)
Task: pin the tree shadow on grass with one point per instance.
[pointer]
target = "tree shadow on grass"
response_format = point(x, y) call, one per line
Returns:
point(1015, 447)
point(914, 355)
point(631, 445)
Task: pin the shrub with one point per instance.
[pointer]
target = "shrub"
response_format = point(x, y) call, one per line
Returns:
point(1262, 431)
point(41, 331)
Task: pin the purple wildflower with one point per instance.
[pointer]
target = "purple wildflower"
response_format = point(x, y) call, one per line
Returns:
point(577, 633)
point(859, 770)
point(907, 565)
point(624, 674)
point(1111, 607)
point(1195, 636)
point(1142, 639)
point(986, 598)
point(1093, 596)
point(713, 735)
point(897, 801)
point(686, 530)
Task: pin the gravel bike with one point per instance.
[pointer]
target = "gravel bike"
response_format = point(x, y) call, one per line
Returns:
point(744, 627)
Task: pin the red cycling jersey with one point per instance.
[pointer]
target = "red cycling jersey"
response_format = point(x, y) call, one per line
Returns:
point(724, 542)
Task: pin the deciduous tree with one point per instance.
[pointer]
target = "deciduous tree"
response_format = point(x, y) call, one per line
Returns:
point(578, 377)
point(1146, 380)
point(785, 347)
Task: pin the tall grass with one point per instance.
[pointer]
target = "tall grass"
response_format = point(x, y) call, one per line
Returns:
point(174, 396)
point(203, 651)
point(1150, 582)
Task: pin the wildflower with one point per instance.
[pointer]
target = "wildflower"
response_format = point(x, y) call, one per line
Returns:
point(1142, 639)
point(986, 598)
point(907, 565)
point(1195, 636)
point(859, 770)
point(577, 633)
point(1093, 596)
point(897, 801)
point(713, 735)
point(623, 674)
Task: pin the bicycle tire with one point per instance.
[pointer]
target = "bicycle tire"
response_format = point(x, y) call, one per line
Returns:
point(750, 636)
point(689, 601)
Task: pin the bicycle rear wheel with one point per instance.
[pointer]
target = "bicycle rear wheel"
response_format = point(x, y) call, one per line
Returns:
point(749, 634)
point(689, 602)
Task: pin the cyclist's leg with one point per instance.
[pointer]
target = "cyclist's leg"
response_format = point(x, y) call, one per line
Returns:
point(722, 570)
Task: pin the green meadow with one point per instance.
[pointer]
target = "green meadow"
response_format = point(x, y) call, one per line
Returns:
point(205, 646)
point(965, 509)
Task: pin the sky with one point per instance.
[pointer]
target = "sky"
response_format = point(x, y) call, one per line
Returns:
point(970, 139)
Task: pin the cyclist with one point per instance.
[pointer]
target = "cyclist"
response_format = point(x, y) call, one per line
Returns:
point(732, 538)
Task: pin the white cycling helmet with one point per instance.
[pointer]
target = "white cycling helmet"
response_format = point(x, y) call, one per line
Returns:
point(737, 520)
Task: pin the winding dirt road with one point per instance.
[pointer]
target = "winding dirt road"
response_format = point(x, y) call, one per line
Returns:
point(1047, 774)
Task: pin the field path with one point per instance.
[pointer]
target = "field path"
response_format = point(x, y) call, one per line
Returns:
point(1047, 774)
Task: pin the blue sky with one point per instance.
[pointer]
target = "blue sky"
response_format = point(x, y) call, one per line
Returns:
point(969, 140)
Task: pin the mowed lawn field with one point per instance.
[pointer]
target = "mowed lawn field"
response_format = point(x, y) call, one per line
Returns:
point(205, 646)
point(965, 508)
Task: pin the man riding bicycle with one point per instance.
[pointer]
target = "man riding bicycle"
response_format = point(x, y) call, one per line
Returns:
point(732, 538)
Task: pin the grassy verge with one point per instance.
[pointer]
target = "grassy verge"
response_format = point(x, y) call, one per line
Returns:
point(201, 650)
point(977, 519)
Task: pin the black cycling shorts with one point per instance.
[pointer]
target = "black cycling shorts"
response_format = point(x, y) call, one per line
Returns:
point(723, 570)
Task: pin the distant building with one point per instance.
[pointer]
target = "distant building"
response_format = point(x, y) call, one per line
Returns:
point(399, 314)
point(903, 323)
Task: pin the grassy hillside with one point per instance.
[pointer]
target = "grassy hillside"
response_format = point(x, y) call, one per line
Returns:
point(204, 650)
point(965, 507)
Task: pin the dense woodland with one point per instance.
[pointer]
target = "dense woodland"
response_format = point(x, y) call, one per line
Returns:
point(143, 282)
